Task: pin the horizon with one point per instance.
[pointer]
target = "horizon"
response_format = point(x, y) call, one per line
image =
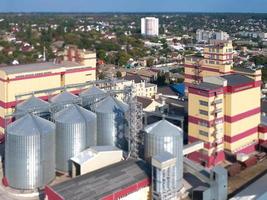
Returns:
point(133, 6)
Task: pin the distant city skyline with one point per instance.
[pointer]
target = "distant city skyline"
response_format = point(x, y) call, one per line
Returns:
point(255, 6)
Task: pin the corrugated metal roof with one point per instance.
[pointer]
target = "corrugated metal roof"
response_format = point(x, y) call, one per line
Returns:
point(163, 128)
point(62, 97)
point(30, 125)
point(105, 181)
point(74, 114)
point(88, 154)
point(31, 103)
point(93, 91)
point(109, 104)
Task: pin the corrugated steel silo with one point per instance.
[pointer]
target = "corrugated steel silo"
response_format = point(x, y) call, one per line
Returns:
point(91, 96)
point(34, 105)
point(163, 136)
point(63, 100)
point(30, 153)
point(111, 122)
point(75, 131)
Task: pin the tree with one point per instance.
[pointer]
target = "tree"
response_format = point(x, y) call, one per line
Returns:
point(150, 62)
point(101, 54)
point(118, 74)
point(123, 58)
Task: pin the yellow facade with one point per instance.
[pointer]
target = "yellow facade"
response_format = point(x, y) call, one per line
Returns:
point(243, 101)
point(239, 117)
point(22, 79)
point(240, 144)
point(217, 60)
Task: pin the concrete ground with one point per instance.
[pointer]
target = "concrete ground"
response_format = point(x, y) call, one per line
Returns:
point(253, 191)
point(243, 180)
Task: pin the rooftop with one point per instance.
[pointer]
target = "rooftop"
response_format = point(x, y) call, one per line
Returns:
point(103, 182)
point(15, 69)
point(88, 154)
point(237, 79)
point(133, 77)
point(243, 69)
point(207, 86)
point(145, 101)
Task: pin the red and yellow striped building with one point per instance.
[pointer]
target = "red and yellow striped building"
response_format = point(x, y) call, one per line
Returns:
point(217, 60)
point(224, 112)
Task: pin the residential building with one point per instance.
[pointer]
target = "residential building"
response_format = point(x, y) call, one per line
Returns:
point(77, 67)
point(149, 104)
point(140, 86)
point(206, 36)
point(150, 26)
point(224, 112)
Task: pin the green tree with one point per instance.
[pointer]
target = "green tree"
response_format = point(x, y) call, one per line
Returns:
point(123, 58)
point(101, 54)
point(150, 62)
point(118, 74)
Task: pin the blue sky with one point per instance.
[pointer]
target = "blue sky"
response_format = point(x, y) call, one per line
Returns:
point(134, 5)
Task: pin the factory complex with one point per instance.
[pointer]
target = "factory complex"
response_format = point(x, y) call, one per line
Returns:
point(71, 136)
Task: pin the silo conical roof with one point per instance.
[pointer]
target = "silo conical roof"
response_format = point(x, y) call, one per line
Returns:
point(111, 104)
point(92, 91)
point(62, 97)
point(163, 128)
point(30, 125)
point(74, 114)
point(31, 103)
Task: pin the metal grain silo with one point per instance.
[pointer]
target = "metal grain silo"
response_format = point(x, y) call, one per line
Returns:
point(63, 100)
point(111, 123)
point(75, 131)
point(91, 96)
point(35, 106)
point(30, 153)
point(163, 136)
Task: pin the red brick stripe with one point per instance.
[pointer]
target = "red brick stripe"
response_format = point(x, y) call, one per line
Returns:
point(196, 120)
point(235, 118)
point(240, 136)
point(47, 75)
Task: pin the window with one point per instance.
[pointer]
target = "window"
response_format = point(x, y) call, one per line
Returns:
point(203, 123)
point(218, 101)
point(203, 103)
point(203, 133)
point(203, 112)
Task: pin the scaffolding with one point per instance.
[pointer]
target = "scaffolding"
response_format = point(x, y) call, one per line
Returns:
point(197, 73)
point(135, 125)
point(218, 136)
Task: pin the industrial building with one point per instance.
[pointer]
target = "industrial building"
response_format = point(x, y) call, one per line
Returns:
point(78, 66)
point(123, 180)
point(220, 115)
point(100, 146)
point(94, 158)
point(30, 153)
point(217, 60)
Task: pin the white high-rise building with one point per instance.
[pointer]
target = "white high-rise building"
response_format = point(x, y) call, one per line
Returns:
point(150, 26)
point(206, 36)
